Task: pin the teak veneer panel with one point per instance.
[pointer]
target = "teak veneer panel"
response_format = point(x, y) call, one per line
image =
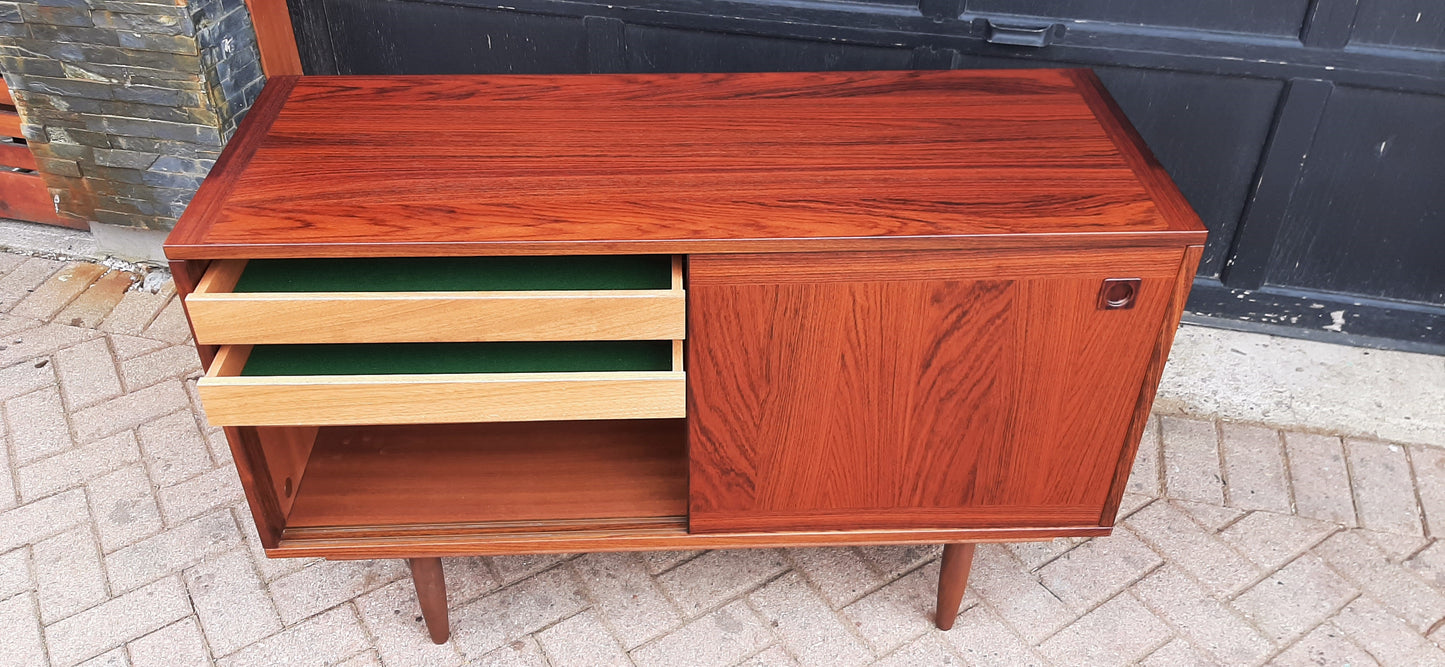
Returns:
point(971, 390)
point(681, 163)
point(475, 473)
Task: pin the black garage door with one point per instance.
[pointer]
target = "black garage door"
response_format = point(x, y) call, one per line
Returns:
point(1309, 134)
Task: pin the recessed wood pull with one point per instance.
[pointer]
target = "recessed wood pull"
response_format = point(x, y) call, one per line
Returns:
point(1118, 293)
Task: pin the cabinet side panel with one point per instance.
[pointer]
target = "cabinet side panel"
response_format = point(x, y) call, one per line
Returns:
point(887, 403)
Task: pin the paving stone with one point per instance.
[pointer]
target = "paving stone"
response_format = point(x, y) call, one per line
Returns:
point(24, 378)
point(770, 657)
point(1017, 597)
point(1177, 653)
point(806, 624)
point(28, 524)
point(1368, 568)
point(363, 659)
point(174, 448)
point(926, 650)
point(1429, 466)
point(1036, 554)
point(171, 362)
point(28, 275)
point(1271, 540)
point(1119, 632)
point(117, 621)
point(1144, 478)
point(270, 569)
point(1221, 569)
point(662, 561)
point(326, 584)
point(8, 496)
point(1384, 490)
point(39, 341)
point(1429, 564)
point(324, 639)
point(77, 466)
point(1211, 626)
point(23, 646)
point(1386, 636)
point(1131, 503)
point(839, 573)
point(129, 347)
point(37, 425)
point(507, 615)
point(1325, 645)
point(179, 643)
point(467, 579)
point(1211, 517)
point(171, 551)
point(521, 653)
point(1293, 600)
point(1321, 482)
point(200, 494)
point(582, 641)
point(1254, 468)
point(722, 637)
point(984, 639)
point(137, 309)
point(8, 261)
point(1396, 547)
point(124, 506)
point(68, 573)
point(233, 607)
point(716, 576)
point(115, 657)
point(91, 307)
point(892, 561)
point(393, 617)
point(14, 572)
point(516, 568)
point(87, 374)
point(129, 411)
point(170, 325)
point(894, 614)
point(626, 596)
point(1191, 460)
point(48, 298)
point(1099, 569)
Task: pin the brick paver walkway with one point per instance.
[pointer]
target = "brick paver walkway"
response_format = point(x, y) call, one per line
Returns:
point(124, 540)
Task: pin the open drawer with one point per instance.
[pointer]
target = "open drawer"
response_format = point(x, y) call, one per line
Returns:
point(416, 300)
point(435, 383)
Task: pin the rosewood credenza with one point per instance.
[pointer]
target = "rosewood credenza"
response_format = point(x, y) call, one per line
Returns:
point(469, 315)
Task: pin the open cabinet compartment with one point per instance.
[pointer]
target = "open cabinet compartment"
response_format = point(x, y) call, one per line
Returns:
point(457, 479)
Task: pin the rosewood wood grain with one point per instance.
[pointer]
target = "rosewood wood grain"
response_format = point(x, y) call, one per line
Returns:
point(431, 592)
point(275, 38)
point(23, 196)
point(10, 123)
point(287, 450)
point(5, 97)
point(676, 163)
point(952, 581)
point(829, 404)
point(1139, 420)
point(256, 480)
point(494, 473)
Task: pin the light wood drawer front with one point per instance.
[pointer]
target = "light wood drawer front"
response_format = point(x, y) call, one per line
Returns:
point(231, 399)
point(220, 316)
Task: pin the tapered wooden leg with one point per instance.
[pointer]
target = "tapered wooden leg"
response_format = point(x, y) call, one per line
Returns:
point(952, 579)
point(431, 590)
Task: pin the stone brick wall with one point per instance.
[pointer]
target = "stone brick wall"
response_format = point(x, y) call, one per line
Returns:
point(126, 104)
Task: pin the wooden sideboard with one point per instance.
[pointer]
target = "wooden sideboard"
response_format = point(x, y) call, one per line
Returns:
point(470, 315)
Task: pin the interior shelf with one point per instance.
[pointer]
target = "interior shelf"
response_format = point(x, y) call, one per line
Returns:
point(490, 357)
point(547, 473)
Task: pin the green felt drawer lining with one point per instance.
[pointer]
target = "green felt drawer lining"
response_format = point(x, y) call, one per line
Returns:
point(483, 274)
point(407, 358)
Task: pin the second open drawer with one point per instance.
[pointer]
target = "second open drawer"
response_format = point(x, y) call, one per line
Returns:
point(414, 300)
point(324, 385)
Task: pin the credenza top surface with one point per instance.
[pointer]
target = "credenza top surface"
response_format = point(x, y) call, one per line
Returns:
point(681, 163)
